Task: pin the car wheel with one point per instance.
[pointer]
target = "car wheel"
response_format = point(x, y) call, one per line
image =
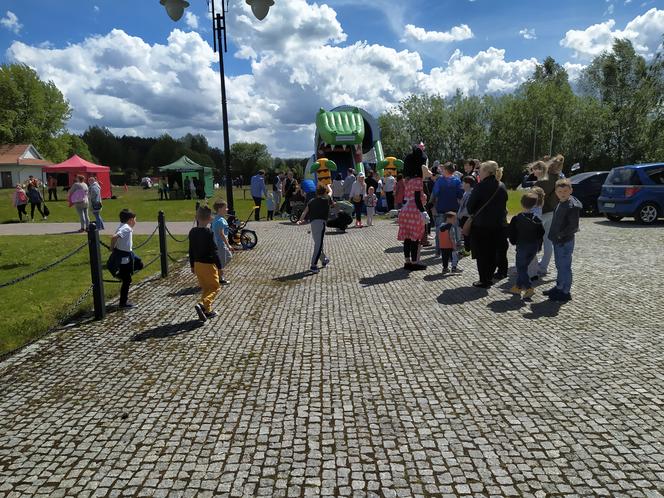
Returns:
point(647, 214)
point(613, 217)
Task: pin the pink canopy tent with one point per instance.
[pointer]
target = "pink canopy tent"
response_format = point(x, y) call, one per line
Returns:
point(78, 166)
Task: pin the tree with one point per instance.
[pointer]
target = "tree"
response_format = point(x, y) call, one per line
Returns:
point(31, 110)
point(248, 158)
point(618, 80)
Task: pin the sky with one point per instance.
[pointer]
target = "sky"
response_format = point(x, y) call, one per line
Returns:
point(124, 65)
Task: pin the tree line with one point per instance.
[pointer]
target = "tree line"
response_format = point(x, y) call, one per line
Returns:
point(612, 117)
point(35, 111)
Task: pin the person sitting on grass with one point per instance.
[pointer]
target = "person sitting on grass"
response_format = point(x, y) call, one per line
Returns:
point(449, 238)
point(318, 211)
point(204, 262)
point(564, 225)
point(526, 232)
point(220, 230)
point(122, 245)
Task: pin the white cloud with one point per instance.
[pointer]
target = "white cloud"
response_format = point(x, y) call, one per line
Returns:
point(457, 33)
point(573, 70)
point(298, 61)
point(644, 31)
point(96, 8)
point(191, 20)
point(528, 34)
point(10, 21)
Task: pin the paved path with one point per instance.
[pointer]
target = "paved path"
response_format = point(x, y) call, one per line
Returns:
point(363, 380)
point(36, 228)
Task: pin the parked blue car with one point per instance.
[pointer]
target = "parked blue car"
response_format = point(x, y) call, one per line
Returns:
point(636, 190)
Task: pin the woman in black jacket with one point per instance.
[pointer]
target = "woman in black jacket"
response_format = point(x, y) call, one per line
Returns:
point(488, 207)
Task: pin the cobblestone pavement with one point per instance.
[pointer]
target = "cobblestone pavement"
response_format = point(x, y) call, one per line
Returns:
point(363, 380)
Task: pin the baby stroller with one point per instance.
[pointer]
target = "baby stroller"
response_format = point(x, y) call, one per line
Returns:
point(297, 208)
point(340, 216)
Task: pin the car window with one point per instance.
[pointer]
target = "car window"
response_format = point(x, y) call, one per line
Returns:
point(656, 175)
point(623, 176)
point(596, 180)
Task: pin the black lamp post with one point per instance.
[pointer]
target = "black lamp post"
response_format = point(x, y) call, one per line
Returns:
point(260, 9)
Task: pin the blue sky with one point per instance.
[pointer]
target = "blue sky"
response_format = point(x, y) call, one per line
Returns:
point(148, 75)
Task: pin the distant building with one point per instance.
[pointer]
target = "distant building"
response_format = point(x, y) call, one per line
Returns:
point(18, 162)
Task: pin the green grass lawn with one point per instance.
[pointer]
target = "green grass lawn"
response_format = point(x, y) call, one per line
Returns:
point(145, 203)
point(33, 306)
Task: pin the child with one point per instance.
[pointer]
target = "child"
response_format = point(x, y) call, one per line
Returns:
point(526, 232)
point(122, 245)
point(370, 202)
point(564, 225)
point(204, 262)
point(220, 231)
point(450, 240)
point(318, 211)
point(270, 204)
point(533, 267)
point(20, 201)
point(469, 183)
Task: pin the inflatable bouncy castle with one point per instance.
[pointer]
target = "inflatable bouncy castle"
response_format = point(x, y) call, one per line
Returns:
point(346, 137)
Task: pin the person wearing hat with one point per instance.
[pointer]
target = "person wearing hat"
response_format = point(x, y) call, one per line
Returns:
point(357, 194)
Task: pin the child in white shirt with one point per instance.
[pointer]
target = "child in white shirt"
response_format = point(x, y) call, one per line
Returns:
point(370, 202)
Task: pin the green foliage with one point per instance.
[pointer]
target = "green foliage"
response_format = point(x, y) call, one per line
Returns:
point(248, 158)
point(616, 118)
point(31, 110)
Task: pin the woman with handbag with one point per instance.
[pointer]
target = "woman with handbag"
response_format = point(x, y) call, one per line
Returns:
point(413, 216)
point(95, 201)
point(36, 200)
point(78, 197)
point(487, 207)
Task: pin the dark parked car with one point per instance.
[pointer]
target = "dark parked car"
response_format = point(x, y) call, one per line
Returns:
point(636, 190)
point(587, 188)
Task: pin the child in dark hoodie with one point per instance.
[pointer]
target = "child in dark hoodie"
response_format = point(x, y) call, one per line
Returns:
point(564, 226)
point(526, 233)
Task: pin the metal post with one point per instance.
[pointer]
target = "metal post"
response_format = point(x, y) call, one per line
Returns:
point(219, 28)
point(162, 244)
point(96, 272)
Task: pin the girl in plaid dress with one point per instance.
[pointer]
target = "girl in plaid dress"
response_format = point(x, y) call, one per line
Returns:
point(412, 216)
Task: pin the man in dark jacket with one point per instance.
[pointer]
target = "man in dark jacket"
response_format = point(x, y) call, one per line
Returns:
point(487, 206)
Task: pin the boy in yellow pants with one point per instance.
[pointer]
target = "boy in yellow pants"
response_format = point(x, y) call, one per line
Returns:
point(204, 262)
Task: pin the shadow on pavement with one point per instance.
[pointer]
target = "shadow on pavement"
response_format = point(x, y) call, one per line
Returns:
point(295, 276)
point(462, 295)
point(440, 276)
point(187, 291)
point(169, 330)
point(394, 250)
point(629, 223)
point(384, 278)
point(545, 309)
point(514, 303)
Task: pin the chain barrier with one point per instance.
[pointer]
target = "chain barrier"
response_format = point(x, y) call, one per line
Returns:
point(173, 236)
point(45, 268)
point(103, 244)
point(148, 239)
point(151, 261)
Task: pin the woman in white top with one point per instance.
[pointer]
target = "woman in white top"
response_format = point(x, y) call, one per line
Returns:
point(338, 188)
point(357, 194)
point(78, 197)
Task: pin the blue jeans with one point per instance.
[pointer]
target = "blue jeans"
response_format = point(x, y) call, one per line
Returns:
point(563, 255)
point(524, 255)
point(98, 218)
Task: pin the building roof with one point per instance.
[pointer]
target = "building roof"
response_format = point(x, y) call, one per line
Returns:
point(21, 155)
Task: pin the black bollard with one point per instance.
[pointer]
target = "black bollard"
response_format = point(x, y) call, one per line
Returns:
point(161, 220)
point(96, 272)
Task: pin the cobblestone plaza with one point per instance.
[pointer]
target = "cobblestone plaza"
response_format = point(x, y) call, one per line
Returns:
point(363, 380)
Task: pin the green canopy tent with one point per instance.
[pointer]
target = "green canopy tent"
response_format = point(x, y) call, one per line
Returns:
point(186, 168)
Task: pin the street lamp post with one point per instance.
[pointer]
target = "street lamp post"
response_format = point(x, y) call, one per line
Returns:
point(260, 9)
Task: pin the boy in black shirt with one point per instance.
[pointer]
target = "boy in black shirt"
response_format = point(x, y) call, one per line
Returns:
point(204, 262)
point(318, 211)
point(526, 232)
